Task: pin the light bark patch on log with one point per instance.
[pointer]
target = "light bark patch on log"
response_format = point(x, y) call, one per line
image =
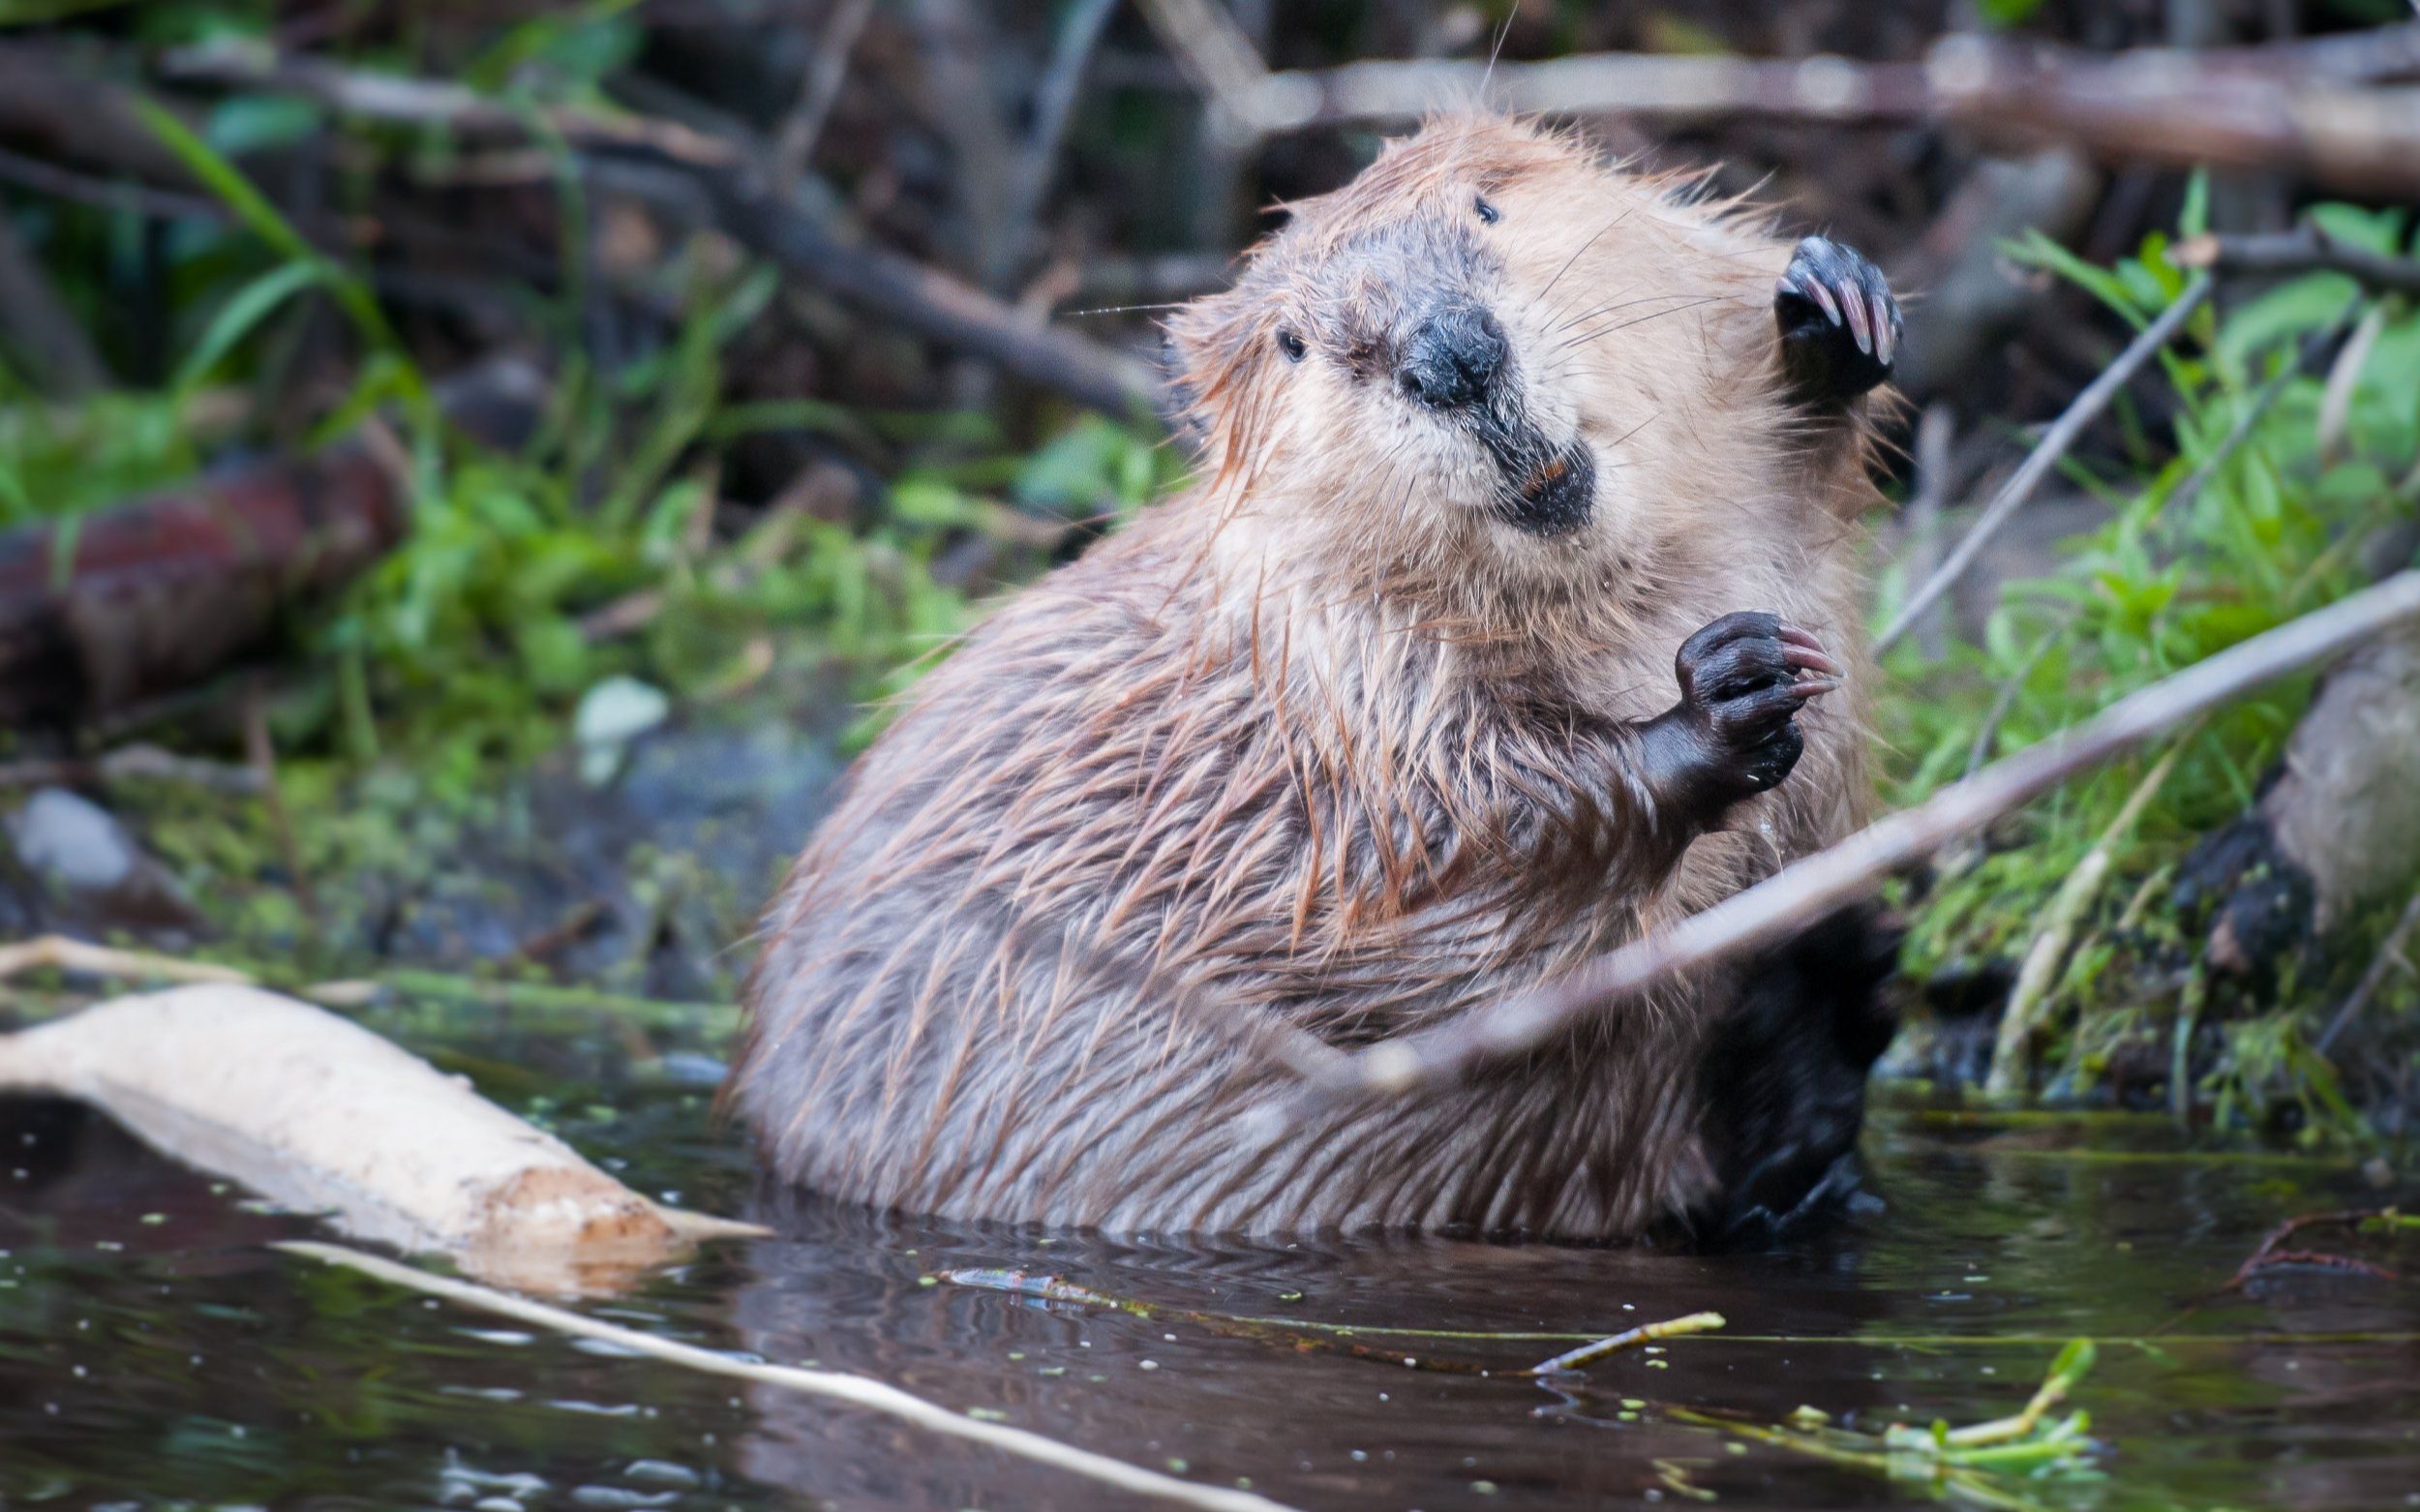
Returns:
point(319, 1114)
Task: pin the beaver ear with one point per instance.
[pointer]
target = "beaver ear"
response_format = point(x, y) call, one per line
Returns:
point(1180, 399)
point(1205, 357)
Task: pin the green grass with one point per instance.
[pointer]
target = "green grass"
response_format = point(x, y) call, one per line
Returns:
point(2272, 534)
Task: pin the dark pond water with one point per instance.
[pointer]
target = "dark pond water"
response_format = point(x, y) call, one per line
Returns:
point(153, 1351)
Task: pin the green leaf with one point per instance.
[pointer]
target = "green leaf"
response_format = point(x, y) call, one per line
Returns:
point(236, 319)
point(2193, 220)
point(261, 217)
point(2291, 309)
point(2040, 250)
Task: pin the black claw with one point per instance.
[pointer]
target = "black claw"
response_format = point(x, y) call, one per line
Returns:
point(1840, 328)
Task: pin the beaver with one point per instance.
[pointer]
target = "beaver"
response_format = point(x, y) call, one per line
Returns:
point(1491, 633)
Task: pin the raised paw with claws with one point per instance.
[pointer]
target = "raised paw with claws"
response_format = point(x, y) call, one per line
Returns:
point(1742, 680)
point(1840, 328)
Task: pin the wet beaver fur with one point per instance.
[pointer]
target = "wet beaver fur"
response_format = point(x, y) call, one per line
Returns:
point(1488, 637)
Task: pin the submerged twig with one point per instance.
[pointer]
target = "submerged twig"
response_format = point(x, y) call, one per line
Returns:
point(2272, 1251)
point(2054, 445)
point(1809, 889)
point(132, 763)
point(834, 1385)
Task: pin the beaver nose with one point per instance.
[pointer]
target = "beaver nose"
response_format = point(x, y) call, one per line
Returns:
point(1453, 358)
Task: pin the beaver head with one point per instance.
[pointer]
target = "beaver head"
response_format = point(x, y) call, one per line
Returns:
point(1491, 352)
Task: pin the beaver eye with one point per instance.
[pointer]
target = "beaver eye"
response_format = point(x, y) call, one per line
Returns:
point(1291, 345)
point(1488, 215)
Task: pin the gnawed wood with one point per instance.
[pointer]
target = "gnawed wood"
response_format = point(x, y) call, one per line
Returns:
point(317, 1113)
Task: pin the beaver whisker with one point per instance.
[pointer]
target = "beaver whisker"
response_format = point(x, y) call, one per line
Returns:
point(1584, 247)
point(1590, 338)
point(1608, 309)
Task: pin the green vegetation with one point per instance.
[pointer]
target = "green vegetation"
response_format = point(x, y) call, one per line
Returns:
point(1996, 1464)
point(2214, 537)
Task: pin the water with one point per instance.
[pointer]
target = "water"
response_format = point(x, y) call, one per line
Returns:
point(153, 1351)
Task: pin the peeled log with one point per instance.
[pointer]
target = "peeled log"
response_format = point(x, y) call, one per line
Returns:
point(318, 1114)
point(2337, 828)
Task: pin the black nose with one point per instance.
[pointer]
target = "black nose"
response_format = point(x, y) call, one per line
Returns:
point(1453, 358)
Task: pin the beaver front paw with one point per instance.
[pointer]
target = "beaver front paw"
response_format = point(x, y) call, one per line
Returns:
point(1840, 325)
point(1732, 733)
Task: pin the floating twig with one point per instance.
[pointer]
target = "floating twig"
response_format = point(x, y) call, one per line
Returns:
point(833, 1385)
point(1628, 1339)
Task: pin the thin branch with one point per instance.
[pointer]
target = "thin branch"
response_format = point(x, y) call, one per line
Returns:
point(403, 100)
point(1627, 1339)
point(2307, 249)
point(2389, 959)
point(2046, 455)
point(720, 181)
point(795, 148)
point(58, 953)
point(1219, 58)
point(1054, 106)
point(1809, 889)
point(832, 1385)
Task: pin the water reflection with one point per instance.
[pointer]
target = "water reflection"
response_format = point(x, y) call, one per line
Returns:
point(151, 1349)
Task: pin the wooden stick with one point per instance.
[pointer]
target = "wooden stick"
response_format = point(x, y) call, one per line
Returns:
point(1627, 1339)
point(2046, 455)
point(2390, 956)
point(2012, 1051)
point(793, 150)
point(58, 951)
point(2308, 249)
point(402, 100)
point(833, 1385)
point(1806, 891)
point(2297, 107)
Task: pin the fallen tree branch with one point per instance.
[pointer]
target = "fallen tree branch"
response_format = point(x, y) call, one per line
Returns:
point(1809, 889)
point(321, 1115)
point(2046, 455)
point(832, 1385)
point(744, 198)
point(2300, 107)
point(932, 303)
